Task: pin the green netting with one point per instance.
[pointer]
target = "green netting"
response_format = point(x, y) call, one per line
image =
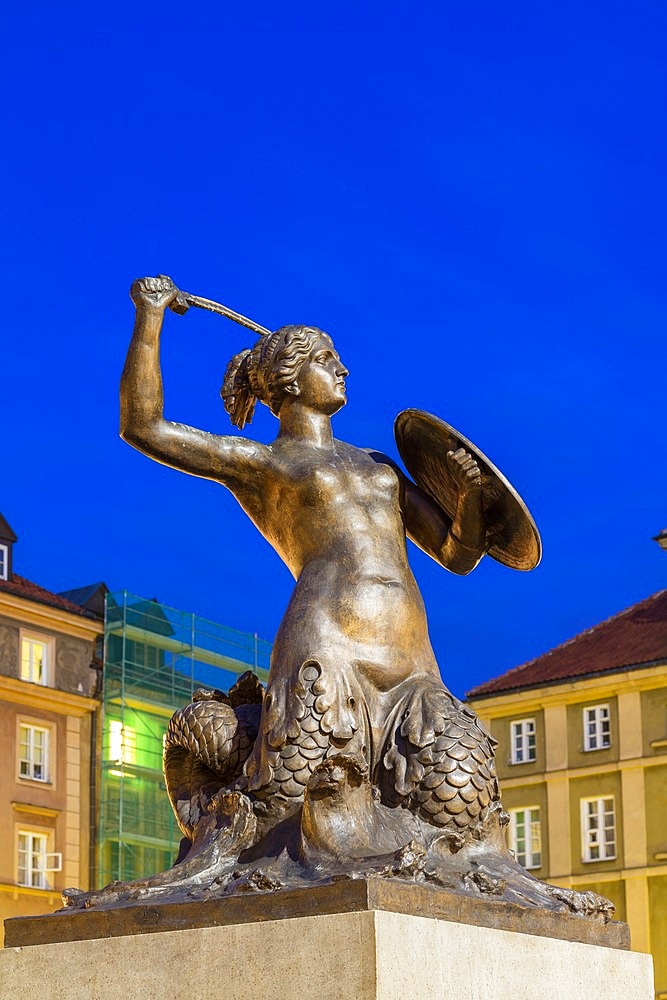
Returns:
point(154, 658)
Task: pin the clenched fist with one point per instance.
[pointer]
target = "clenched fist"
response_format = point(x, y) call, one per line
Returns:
point(153, 293)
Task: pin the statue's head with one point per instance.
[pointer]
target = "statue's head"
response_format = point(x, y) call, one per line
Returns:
point(295, 362)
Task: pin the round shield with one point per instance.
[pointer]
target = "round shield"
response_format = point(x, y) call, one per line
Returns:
point(423, 442)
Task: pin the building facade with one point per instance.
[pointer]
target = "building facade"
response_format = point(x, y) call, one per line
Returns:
point(88, 682)
point(47, 711)
point(582, 760)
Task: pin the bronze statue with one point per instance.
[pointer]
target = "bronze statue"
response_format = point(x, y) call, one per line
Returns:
point(356, 759)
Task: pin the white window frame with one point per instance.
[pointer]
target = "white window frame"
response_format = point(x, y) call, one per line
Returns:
point(39, 861)
point(4, 561)
point(597, 729)
point(48, 642)
point(33, 765)
point(521, 731)
point(595, 815)
point(525, 836)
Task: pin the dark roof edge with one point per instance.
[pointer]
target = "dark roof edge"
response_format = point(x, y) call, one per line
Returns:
point(48, 598)
point(520, 668)
point(470, 695)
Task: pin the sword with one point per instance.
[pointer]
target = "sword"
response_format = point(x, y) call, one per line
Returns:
point(184, 300)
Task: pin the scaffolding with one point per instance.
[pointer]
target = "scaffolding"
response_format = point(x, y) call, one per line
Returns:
point(155, 657)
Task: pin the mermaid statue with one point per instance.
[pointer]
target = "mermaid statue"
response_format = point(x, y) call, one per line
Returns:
point(355, 760)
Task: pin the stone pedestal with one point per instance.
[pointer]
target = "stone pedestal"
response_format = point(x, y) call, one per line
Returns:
point(372, 955)
point(353, 943)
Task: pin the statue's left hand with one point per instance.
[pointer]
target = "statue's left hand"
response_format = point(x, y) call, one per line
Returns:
point(464, 471)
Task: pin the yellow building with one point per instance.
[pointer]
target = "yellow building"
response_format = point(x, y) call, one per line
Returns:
point(47, 708)
point(582, 760)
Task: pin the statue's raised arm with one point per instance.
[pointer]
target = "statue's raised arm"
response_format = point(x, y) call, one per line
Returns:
point(233, 461)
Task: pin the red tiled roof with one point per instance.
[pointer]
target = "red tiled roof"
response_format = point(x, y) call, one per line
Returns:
point(20, 587)
point(631, 638)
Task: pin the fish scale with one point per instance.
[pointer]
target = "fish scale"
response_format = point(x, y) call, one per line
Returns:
point(459, 780)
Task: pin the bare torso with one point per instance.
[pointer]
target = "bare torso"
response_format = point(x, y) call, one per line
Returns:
point(334, 516)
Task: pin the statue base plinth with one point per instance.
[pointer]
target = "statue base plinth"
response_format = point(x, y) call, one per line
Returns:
point(368, 939)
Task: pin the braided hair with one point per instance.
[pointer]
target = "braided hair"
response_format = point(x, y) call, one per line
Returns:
point(264, 371)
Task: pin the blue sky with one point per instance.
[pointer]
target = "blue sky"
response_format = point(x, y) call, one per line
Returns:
point(470, 199)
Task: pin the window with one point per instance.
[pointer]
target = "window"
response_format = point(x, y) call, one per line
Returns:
point(597, 727)
point(4, 562)
point(122, 743)
point(523, 741)
point(525, 836)
point(36, 658)
point(598, 829)
point(33, 753)
point(35, 862)
point(141, 655)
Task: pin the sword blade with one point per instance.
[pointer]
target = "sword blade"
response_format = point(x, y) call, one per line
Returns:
point(187, 299)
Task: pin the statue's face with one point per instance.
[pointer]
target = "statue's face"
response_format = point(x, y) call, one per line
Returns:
point(321, 378)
